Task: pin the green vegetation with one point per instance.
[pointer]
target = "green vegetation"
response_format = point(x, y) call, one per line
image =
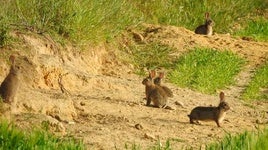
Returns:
point(244, 141)
point(157, 146)
point(190, 14)
point(75, 20)
point(257, 29)
point(150, 56)
point(3, 33)
point(258, 86)
point(13, 138)
point(97, 21)
point(206, 70)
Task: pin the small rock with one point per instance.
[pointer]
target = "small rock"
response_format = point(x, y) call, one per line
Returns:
point(71, 122)
point(131, 104)
point(138, 37)
point(108, 98)
point(149, 136)
point(179, 103)
point(169, 107)
point(82, 103)
point(139, 126)
point(227, 120)
point(247, 38)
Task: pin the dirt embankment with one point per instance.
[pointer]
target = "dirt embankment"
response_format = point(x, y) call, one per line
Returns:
point(93, 96)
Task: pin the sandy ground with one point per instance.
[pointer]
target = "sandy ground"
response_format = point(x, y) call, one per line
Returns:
point(94, 97)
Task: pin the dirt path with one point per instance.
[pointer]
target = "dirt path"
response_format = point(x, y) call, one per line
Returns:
point(105, 107)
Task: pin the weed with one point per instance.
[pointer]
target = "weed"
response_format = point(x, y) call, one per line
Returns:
point(132, 147)
point(257, 29)
point(13, 138)
point(159, 146)
point(151, 56)
point(245, 141)
point(257, 88)
point(206, 70)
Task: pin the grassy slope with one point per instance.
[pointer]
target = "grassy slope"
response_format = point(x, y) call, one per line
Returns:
point(97, 21)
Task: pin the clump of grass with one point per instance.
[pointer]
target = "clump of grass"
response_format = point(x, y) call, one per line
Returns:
point(206, 70)
point(257, 29)
point(13, 138)
point(3, 36)
point(258, 86)
point(151, 56)
point(133, 146)
point(3, 32)
point(245, 141)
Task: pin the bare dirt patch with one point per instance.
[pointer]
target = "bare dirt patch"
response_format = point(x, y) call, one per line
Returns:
point(93, 96)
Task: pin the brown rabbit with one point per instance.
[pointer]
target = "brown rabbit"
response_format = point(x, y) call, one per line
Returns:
point(158, 80)
point(206, 28)
point(216, 114)
point(9, 86)
point(153, 92)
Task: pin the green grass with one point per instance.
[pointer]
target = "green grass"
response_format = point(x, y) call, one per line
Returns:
point(13, 138)
point(245, 141)
point(190, 14)
point(98, 21)
point(257, 29)
point(156, 146)
point(77, 21)
point(206, 70)
point(258, 86)
point(150, 56)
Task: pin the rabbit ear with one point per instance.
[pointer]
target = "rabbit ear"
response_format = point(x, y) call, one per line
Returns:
point(221, 97)
point(207, 15)
point(161, 75)
point(12, 59)
point(152, 74)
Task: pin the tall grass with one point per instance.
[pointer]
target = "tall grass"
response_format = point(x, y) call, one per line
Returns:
point(206, 70)
point(257, 29)
point(76, 20)
point(258, 86)
point(189, 13)
point(95, 21)
point(13, 138)
point(244, 141)
point(150, 56)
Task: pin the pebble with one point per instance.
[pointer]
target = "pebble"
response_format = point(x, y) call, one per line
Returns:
point(149, 136)
point(82, 103)
point(139, 126)
point(179, 103)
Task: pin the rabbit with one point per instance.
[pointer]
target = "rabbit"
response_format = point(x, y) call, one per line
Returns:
point(216, 114)
point(9, 86)
point(150, 77)
point(206, 28)
point(158, 80)
point(154, 93)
